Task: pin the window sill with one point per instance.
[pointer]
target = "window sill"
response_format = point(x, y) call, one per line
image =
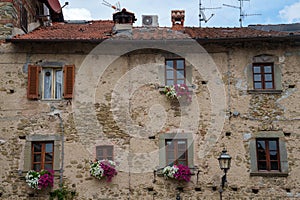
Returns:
point(270, 174)
point(264, 91)
point(159, 172)
point(161, 88)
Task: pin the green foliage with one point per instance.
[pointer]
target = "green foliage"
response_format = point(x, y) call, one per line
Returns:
point(62, 194)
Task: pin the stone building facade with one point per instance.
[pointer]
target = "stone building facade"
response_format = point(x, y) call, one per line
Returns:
point(96, 88)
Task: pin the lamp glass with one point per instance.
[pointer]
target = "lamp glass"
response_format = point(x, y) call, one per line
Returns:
point(224, 160)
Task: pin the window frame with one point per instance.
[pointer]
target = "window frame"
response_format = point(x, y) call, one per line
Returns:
point(27, 157)
point(106, 148)
point(176, 152)
point(277, 74)
point(262, 74)
point(35, 87)
point(267, 154)
point(174, 69)
point(171, 136)
point(53, 83)
point(283, 156)
point(43, 155)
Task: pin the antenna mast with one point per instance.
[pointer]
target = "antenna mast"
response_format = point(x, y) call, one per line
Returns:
point(242, 14)
point(116, 7)
point(202, 16)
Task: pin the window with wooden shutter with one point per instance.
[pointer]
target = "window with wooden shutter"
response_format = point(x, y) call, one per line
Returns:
point(33, 82)
point(54, 82)
point(69, 78)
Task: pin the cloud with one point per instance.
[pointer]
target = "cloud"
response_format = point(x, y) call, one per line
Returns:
point(77, 14)
point(291, 13)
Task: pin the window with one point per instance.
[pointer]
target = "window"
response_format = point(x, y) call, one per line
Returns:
point(42, 152)
point(104, 152)
point(176, 152)
point(50, 82)
point(176, 149)
point(175, 71)
point(24, 19)
point(42, 155)
point(263, 76)
point(267, 155)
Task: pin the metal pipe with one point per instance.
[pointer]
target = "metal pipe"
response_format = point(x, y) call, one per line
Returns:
point(62, 152)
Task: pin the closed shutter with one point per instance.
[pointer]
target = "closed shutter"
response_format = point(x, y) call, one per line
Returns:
point(69, 78)
point(33, 82)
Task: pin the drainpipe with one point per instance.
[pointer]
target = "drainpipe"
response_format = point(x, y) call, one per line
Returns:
point(62, 151)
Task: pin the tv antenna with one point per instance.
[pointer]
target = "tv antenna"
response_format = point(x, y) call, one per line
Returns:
point(116, 7)
point(202, 16)
point(242, 14)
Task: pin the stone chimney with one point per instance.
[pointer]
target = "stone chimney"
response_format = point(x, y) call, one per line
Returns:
point(177, 17)
point(123, 21)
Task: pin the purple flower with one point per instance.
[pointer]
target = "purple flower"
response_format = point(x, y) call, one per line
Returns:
point(46, 179)
point(183, 173)
point(109, 171)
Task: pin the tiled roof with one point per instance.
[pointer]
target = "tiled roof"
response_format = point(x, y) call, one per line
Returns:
point(230, 33)
point(102, 29)
point(152, 33)
point(92, 30)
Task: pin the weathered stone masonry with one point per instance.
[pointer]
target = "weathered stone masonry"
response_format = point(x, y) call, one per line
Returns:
point(21, 118)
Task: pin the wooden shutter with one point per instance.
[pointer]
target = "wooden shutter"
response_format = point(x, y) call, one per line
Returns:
point(33, 82)
point(69, 78)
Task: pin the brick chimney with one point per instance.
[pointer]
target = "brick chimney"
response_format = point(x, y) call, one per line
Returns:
point(177, 17)
point(123, 21)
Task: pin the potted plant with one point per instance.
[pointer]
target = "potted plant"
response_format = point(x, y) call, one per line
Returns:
point(178, 91)
point(40, 179)
point(103, 168)
point(178, 172)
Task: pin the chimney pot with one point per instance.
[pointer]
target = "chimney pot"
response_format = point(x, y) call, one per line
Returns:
point(177, 17)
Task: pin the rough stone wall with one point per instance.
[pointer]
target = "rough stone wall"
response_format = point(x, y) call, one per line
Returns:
point(10, 16)
point(88, 124)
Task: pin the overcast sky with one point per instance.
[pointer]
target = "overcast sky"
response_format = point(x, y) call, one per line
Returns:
point(271, 11)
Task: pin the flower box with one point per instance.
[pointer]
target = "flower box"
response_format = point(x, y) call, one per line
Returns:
point(178, 172)
point(103, 168)
point(40, 180)
point(178, 92)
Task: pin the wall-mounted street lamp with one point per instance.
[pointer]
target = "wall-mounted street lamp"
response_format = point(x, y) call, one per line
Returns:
point(224, 162)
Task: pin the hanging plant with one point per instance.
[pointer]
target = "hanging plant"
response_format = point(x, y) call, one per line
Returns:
point(103, 168)
point(178, 91)
point(41, 179)
point(178, 172)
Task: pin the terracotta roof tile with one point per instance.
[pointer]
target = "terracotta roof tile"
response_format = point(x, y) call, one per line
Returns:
point(222, 33)
point(102, 29)
point(159, 33)
point(96, 30)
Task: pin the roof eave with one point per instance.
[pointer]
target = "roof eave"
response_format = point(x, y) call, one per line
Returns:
point(15, 40)
point(242, 39)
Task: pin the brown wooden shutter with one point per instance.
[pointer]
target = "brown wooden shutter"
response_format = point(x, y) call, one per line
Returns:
point(33, 82)
point(69, 78)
